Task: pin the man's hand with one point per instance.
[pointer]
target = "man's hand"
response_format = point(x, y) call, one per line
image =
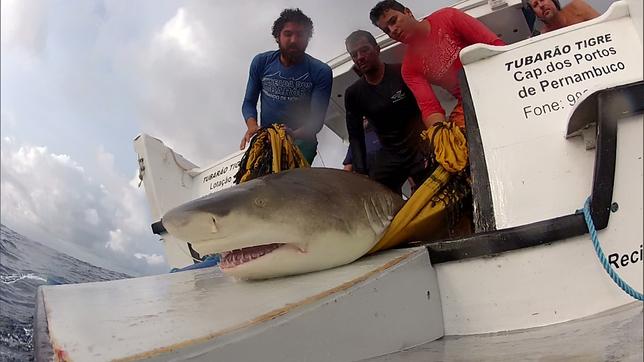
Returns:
point(297, 133)
point(433, 119)
point(251, 123)
point(289, 131)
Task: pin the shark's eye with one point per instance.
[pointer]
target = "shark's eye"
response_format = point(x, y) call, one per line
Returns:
point(260, 202)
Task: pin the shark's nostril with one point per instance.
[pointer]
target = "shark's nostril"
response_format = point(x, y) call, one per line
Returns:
point(214, 226)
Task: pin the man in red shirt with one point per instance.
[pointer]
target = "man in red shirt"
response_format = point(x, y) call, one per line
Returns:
point(432, 55)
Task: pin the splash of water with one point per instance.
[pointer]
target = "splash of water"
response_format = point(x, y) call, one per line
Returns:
point(13, 278)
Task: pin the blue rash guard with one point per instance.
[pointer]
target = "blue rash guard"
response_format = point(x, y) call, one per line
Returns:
point(297, 96)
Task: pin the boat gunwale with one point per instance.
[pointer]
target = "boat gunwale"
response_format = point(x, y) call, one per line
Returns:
point(491, 241)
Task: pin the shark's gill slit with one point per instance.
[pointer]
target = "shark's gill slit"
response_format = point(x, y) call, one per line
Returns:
point(214, 225)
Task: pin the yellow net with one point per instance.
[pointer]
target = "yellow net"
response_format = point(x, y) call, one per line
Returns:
point(271, 150)
point(426, 213)
point(448, 144)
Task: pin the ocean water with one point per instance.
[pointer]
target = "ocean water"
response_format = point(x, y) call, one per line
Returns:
point(25, 265)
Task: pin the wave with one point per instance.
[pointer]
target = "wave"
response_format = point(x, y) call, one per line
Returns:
point(13, 278)
point(16, 343)
point(25, 265)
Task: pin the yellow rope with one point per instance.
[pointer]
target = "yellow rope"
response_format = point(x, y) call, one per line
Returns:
point(419, 216)
point(422, 216)
point(272, 150)
point(448, 144)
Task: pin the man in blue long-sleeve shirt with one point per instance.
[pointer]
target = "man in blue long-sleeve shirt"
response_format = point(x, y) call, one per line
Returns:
point(295, 87)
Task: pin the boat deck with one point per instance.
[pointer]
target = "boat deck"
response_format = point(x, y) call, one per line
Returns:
point(346, 313)
point(612, 336)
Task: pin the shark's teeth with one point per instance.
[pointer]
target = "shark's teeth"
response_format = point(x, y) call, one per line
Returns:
point(230, 259)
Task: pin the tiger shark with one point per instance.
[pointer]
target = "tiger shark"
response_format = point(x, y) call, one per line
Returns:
point(292, 222)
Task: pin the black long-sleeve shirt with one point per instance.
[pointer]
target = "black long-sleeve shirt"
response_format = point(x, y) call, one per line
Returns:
point(391, 109)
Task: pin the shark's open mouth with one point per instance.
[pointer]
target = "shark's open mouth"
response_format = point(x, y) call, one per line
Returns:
point(230, 259)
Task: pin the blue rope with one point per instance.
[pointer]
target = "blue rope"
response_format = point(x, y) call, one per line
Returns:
point(602, 258)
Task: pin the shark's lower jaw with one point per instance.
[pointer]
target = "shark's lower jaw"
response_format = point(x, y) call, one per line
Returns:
point(233, 258)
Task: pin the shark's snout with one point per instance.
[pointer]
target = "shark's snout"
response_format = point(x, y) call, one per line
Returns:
point(191, 225)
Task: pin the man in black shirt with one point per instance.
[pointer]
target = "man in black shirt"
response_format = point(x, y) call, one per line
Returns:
point(381, 96)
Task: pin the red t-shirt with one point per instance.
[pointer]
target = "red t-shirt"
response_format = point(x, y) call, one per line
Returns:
point(434, 59)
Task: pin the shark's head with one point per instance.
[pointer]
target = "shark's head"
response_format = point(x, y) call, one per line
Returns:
point(282, 225)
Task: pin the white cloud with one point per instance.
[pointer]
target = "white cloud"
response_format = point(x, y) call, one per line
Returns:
point(193, 72)
point(91, 217)
point(153, 259)
point(50, 198)
point(185, 33)
point(117, 241)
point(23, 24)
point(66, 161)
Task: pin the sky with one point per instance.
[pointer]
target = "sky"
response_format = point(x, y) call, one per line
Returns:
point(81, 79)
